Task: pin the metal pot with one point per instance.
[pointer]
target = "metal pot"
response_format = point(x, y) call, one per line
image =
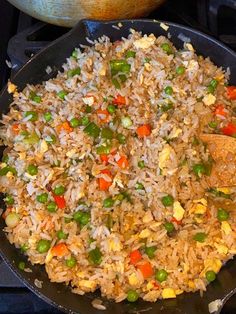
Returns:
point(69, 12)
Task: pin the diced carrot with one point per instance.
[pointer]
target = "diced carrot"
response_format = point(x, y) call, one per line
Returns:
point(144, 130)
point(60, 201)
point(178, 222)
point(123, 162)
point(146, 269)
point(231, 92)
point(103, 184)
point(103, 115)
point(104, 158)
point(229, 129)
point(16, 129)
point(155, 284)
point(60, 250)
point(220, 111)
point(135, 257)
point(64, 126)
point(119, 100)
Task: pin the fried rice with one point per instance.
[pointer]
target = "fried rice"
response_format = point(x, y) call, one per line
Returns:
point(105, 175)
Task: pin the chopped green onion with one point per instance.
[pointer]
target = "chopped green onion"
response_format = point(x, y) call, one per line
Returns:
point(32, 114)
point(71, 262)
point(141, 164)
point(92, 130)
point(199, 169)
point(9, 200)
point(212, 86)
point(161, 275)
point(7, 169)
point(130, 54)
point(132, 296)
point(84, 121)
point(47, 116)
point(168, 90)
point(117, 66)
point(147, 60)
point(62, 94)
point(42, 198)
point(75, 54)
point(5, 158)
point(62, 235)
point(74, 122)
point(222, 214)
point(139, 186)
point(200, 237)
point(111, 108)
point(167, 200)
point(166, 48)
point(95, 256)
point(43, 246)
point(73, 72)
point(103, 149)
point(212, 124)
point(88, 109)
point(59, 190)
point(33, 96)
point(126, 122)
point(32, 139)
point(166, 107)
point(32, 170)
point(52, 207)
point(24, 247)
point(116, 83)
point(108, 202)
point(219, 193)
point(150, 251)
point(51, 139)
point(121, 138)
point(107, 133)
point(21, 265)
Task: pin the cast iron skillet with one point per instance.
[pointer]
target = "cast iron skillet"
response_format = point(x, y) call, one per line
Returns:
point(33, 72)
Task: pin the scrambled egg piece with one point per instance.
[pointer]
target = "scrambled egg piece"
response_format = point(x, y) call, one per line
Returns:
point(168, 293)
point(212, 264)
point(189, 47)
point(200, 206)
point(225, 227)
point(164, 156)
point(191, 284)
point(43, 147)
point(71, 153)
point(144, 234)
point(148, 66)
point(221, 248)
point(133, 280)
point(147, 217)
point(224, 190)
point(90, 284)
point(11, 88)
point(209, 99)
point(219, 77)
point(144, 42)
point(88, 100)
point(178, 211)
point(114, 245)
point(175, 133)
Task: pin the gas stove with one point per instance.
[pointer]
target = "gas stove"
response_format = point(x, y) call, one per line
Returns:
point(22, 37)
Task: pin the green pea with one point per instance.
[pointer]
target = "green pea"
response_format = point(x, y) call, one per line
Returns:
point(121, 138)
point(52, 207)
point(180, 70)
point(84, 121)
point(77, 216)
point(95, 256)
point(75, 54)
point(199, 169)
point(24, 248)
point(212, 86)
point(73, 72)
point(62, 235)
point(43, 246)
point(168, 90)
point(32, 170)
point(150, 251)
point(166, 48)
point(88, 109)
point(47, 116)
point(139, 186)
point(92, 130)
point(167, 200)
point(21, 265)
point(141, 164)
point(103, 149)
point(42, 198)
point(161, 275)
point(51, 139)
point(62, 94)
point(200, 237)
point(5, 158)
point(169, 226)
point(147, 60)
point(107, 134)
point(210, 275)
point(108, 202)
point(111, 108)
point(130, 54)
point(67, 220)
point(132, 296)
point(33, 96)
point(212, 124)
point(59, 190)
point(32, 114)
point(71, 262)
point(85, 218)
point(9, 200)
point(7, 169)
point(222, 214)
point(74, 122)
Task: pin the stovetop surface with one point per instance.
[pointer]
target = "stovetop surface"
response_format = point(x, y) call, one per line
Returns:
point(214, 17)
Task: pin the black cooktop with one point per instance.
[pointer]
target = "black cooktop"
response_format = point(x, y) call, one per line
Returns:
point(22, 36)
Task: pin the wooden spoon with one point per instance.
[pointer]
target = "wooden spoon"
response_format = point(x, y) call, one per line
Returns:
point(223, 150)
